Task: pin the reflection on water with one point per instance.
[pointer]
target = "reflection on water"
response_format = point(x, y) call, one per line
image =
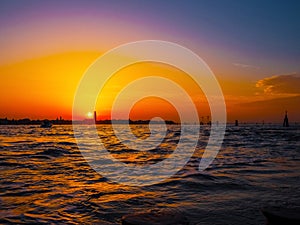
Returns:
point(119, 150)
point(45, 179)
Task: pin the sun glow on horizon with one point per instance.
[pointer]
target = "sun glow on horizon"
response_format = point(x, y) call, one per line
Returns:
point(90, 115)
point(45, 87)
point(149, 107)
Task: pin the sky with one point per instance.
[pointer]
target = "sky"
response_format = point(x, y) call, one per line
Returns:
point(252, 47)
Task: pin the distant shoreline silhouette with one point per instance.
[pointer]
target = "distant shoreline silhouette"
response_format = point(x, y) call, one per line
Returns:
point(61, 121)
point(26, 121)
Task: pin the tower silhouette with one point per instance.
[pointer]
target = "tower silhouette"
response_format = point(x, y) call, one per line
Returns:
point(286, 120)
point(95, 116)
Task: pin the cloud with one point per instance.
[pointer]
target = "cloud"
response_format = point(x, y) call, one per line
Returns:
point(246, 66)
point(280, 84)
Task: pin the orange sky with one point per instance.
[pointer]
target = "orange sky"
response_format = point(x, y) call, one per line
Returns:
point(44, 88)
point(46, 47)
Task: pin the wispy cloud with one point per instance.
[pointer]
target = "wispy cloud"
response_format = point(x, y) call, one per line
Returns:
point(280, 84)
point(246, 66)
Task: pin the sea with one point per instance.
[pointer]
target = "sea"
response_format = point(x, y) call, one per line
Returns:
point(45, 178)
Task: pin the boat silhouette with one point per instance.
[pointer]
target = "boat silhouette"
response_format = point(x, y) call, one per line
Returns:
point(46, 124)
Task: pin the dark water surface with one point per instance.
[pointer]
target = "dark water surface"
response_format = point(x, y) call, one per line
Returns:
point(44, 179)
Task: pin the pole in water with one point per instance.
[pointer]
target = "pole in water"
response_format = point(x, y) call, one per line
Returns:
point(286, 120)
point(236, 122)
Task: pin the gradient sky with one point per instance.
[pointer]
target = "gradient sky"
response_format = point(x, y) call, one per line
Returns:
point(251, 46)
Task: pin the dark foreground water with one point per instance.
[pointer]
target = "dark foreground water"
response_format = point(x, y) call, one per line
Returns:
point(44, 179)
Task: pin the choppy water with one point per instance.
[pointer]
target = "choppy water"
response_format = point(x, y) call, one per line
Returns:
point(45, 179)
